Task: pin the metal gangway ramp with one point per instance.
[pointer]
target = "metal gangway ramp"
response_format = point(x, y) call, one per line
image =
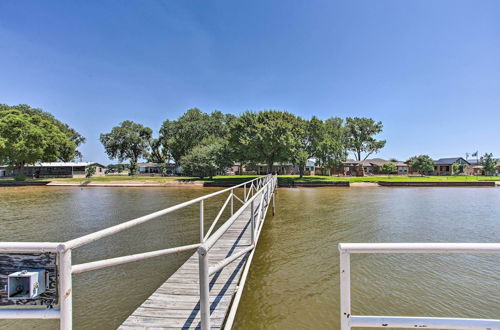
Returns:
point(203, 293)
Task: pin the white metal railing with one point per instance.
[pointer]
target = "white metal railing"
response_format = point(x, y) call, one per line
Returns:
point(261, 188)
point(348, 321)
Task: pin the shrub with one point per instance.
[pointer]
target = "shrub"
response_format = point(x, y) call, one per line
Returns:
point(21, 177)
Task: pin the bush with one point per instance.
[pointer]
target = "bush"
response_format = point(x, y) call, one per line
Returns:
point(21, 177)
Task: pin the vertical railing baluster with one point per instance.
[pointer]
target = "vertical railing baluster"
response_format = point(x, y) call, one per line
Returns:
point(232, 202)
point(345, 290)
point(202, 222)
point(245, 192)
point(204, 288)
point(252, 220)
point(65, 288)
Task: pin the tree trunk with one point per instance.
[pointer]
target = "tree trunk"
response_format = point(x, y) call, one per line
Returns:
point(301, 171)
point(361, 170)
point(270, 166)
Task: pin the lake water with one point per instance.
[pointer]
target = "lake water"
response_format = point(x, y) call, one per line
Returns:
point(293, 282)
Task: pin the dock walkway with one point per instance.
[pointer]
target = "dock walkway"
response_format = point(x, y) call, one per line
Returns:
point(176, 303)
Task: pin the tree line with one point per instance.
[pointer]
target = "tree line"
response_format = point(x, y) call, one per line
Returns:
point(205, 143)
point(202, 143)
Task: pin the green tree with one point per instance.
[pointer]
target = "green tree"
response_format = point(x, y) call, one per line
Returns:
point(66, 151)
point(422, 164)
point(267, 136)
point(181, 135)
point(330, 148)
point(489, 163)
point(129, 141)
point(457, 168)
point(240, 137)
point(90, 171)
point(388, 168)
point(361, 140)
point(158, 152)
point(27, 139)
point(302, 149)
point(208, 157)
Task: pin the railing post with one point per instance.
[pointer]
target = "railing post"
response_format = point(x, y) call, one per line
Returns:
point(232, 201)
point(202, 222)
point(345, 290)
point(65, 288)
point(204, 288)
point(274, 198)
point(245, 192)
point(252, 220)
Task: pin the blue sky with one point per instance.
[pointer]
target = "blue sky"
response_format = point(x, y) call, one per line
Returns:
point(429, 70)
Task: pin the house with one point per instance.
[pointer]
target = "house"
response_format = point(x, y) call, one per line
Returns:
point(477, 169)
point(3, 171)
point(158, 168)
point(402, 168)
point(56, 170)
point(444, 166)
point(284, 168)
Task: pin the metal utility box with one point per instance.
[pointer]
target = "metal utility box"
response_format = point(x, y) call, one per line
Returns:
point(26, 284)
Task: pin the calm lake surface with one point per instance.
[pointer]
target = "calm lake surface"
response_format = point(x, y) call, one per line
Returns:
point(293, 283)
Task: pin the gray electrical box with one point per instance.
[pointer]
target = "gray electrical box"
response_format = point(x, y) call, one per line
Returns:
point(26, 284)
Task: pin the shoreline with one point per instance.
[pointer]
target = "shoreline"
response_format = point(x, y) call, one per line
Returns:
point(225, 184)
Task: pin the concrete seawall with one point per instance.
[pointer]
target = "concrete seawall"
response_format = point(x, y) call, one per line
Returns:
point(437, 184)
point(23, 183)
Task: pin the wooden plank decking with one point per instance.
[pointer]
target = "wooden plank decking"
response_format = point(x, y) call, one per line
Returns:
point(176, 303)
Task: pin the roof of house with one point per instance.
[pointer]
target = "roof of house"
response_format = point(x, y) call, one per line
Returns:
point(449, 161)
point(63, 164)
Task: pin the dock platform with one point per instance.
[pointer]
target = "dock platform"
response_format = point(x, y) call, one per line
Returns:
point(176, 303)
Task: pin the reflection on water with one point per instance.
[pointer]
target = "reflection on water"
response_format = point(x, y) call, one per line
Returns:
point(293, 283)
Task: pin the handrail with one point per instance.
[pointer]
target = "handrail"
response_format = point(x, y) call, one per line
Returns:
point(81, 268)
point(89, 238)
point(214, 269)
point(347, 320)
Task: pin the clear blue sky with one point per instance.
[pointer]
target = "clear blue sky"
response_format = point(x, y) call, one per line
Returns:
point(429, 70)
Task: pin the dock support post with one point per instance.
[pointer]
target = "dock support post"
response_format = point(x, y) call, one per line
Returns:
point(345, 290)
point(65, 288)
point(204, 288)
point(202, 220)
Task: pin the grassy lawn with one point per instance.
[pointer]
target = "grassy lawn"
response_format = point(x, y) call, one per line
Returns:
point(319, 178)
point(282, 178)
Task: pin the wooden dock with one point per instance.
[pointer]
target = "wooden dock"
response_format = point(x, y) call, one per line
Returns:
point(176, 303)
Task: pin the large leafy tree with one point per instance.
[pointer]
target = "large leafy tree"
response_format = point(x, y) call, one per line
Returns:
point(240, 137)
point(129, 141)
point(29, 138)
point(422, 164)
point(180, 136)
point(208, 157)
point(489, 163)
point(302, 150)
point(267, 136)
point(361, 140)
point(67, 151)
point(330, 148)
